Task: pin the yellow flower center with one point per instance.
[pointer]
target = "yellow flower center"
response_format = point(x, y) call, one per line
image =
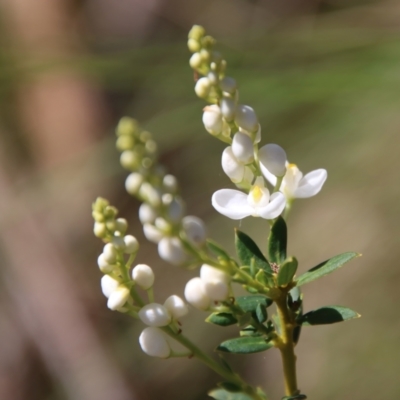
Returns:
point(256, 193)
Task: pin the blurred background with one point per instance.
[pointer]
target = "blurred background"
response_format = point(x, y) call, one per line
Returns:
point(324, 79)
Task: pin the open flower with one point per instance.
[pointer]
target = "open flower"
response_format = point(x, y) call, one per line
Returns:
point(295, 185)
point(235, 204)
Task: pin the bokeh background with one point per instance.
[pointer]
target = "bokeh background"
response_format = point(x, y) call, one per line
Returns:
point(324, 78)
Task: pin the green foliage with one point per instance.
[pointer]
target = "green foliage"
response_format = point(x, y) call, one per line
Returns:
point(327, 315)
point(221, 319)
point(217, 249)
point(224, 394)
point(287, 271)
point(250, 303)
point(245, 345)
point(277, 241)
point(295, 397)
point(326, 267)
point(261, 313)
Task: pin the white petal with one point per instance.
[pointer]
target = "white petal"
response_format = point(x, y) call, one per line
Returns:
point(143, 275)
point(118, 298)
point(242, 148)
point(176, 306)
point(271, 178)
point(232, 203)
point(170, 249)
point(231, 166)
point(108, 285)
point(273, 158)
point(274, 208)
point(195, 294)
point(311, 184)
point(154, 343)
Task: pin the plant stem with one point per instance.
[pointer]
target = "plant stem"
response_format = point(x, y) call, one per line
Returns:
point(286, 346)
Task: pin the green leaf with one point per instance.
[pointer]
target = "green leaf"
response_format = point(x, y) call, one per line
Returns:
point(230, 387)
point(326, 267)
point(250, 303)
point(296, 334)
point(277, 241)
point(327, 315)
point(247, 249)
point(245, 345)
point(295, 397)
point(264, 278)
point(261, 313)
point(217, 249)
point(223, 394)
point(221, 319)
point(287, 271)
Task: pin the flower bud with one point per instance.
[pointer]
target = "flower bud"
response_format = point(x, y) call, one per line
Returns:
point(242, 148)
point(176, 306)
point(147, 214)
point(228, 85)
point(118, 298)
point(125, 142)
point(195, 294)
point(231, 166)
point(152, 233)
point(131, 244)
point(143, 275)
point(212, 119)
point(110, 253)
point(246, 118)
point(99, 230)
point(118, 243)
point(121, 225)
point(228, 108)
point(133, 182)
point(202, 88)
point(273, 158)
point(104, 266)
point(175, 210)
point(195, 230)
point(193, 45)
point(205, 55)
point(130, 160)
point(100, 204)
point(213, 77)
point(209, 273)
point(170, 249)
point(170, 183)
point(197, 32)
point(154, 314)
point(108, 285)
point(216, 290)
point(127, 126)
point(162, 225)
point(196, 61)
point(154, 343)
point(150, 194)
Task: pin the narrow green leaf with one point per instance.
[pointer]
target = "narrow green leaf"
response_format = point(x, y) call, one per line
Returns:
point(295, 397)
point(250, 331)
point(296, 334)
point(250, 303)
point(223, 394)
point(230, 387)
point(221, 319)
point(326, 267)
point(287, 271)
point(261, 313)
point(277, 241)
point(217, 249)
point(247, 249)
point(245, 345)
point(264, 278)
point(327, 315)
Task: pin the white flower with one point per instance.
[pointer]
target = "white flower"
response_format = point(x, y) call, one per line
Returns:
point(170, 249)
point(104, 266)
point(235, 204)
point(194, 229)
point(212, 119)
point(155, 314)
point(246, 118)
point(147, 214)
point(242, 148)
point(143, 275)
point(154, 343)
point(152, 233)
point(295, 185)
point(108, 285)
point(196, 295)
point(273, 158)
point(118, 298)
point(231, 166)
point(131, 244)
point(176, 306)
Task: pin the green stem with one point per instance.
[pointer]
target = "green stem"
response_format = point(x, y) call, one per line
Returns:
point(278, 184)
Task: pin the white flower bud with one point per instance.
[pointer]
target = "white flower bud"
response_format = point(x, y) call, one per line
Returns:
point(147, 214)
point(228, 85)
point(175, 210)
point(155, 314)
point(143, 275)
point(213, 77)
point(242, 148)
point(193, 45)
point(197, 32)
point(110, 253)
point(118, 243)
point(216, 290)
point(209, 273)
point(246, 118)
point(130, 160)
point(133, 183)
point(152, 233)
point(150, 194)
point(131, 244)
point(121, 225)
point(195, 60)
point(167, 198)
point(195, 294)
point(273, 158)
point(212, 119)
point(176, 306)
point(228, 108)
point(194, 229)
point(162, 225)
point(231, 166)
point(99, 229)
point(118, 298)
point(154, 343)
point(170, 183)
point(170, 249)
point(108, 285)
point(104, 266)
point(202, 87)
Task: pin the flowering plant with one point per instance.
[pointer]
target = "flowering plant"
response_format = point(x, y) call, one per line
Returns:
point(267, 186)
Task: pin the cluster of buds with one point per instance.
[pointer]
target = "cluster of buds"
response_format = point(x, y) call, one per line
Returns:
point(162, 211)
point(248, 166)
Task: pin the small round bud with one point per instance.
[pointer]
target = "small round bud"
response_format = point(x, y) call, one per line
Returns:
point(110, 212)
point(130, 160)
point(273, 158)
point(111, 225)
point(154, 343)
point(133, 182)
point(213, 77)
point(127, 126)
point(170, 183)
point(242, 148)
point(118, 243)
point(151, 146)
point(131, 244)
point(110, 253)
point(195, 61)
point(154, 314)
point(193, 45)
point(150, 194)
point(228, 108)
point(231, 166)
point(121, 225)
point(98, 216)
point(108, 285)
point(197, 32)
point(175, 210)
point(202, 87)
point(118, 298)
point(100, 204)
point(100, 230)
point(209, 273)
point(143, 275)
point(212, 119)
point(162, 225)
point(125, 143)
point(147, 214)
point(195, 230)
point(205, 55)
point(195, 294)
point(216, 290)
point(152, 233)
point(228, 85)
point(104, 266)
point(176, 306)
point(246, 118)
point(170, 249)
